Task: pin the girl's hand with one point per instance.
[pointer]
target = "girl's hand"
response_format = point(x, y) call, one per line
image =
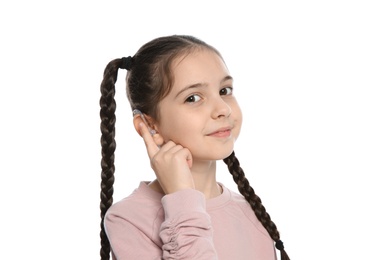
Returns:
point(171, 163)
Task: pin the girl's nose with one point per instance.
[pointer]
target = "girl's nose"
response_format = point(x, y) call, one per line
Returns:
point(221, 108)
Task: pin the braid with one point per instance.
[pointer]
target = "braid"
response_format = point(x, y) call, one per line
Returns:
point(107, 127)
point(254, 201)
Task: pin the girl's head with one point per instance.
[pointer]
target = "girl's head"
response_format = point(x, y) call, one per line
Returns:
point(184, 88)
point(185, 91)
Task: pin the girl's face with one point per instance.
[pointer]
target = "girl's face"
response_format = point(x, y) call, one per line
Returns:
point(201, 113)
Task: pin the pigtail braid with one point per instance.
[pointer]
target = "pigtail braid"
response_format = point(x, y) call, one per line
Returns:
point(107, 127)
point(255, 202)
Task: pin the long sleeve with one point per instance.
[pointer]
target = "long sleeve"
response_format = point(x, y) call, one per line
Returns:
point(187, 232)
point(150, 226)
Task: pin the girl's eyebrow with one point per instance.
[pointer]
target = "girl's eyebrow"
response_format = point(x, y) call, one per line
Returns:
point(198, 85)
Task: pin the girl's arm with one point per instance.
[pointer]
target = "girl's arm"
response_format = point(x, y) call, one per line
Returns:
point(185, 232)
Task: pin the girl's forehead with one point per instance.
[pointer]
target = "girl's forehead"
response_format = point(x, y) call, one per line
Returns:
point(199, 63)
point(199, 66)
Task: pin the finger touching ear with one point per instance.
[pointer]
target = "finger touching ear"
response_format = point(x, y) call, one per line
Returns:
point(136, 121)
point(139, 119)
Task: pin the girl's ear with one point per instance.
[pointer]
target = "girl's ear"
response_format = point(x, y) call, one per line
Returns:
point(137, 119)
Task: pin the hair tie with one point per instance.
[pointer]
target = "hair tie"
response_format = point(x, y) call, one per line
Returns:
point(126, 63)
point(279, 245)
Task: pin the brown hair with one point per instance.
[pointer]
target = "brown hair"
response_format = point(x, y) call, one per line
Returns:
point(148, 81)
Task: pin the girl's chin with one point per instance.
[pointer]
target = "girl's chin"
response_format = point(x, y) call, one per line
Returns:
point(212, 157)
point(223, 155)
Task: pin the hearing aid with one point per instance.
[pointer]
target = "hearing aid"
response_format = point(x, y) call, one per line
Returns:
point(138, 112)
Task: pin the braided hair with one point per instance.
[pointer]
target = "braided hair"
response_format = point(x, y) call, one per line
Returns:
point(254, 201)
point(107, 127)
point(149, 80)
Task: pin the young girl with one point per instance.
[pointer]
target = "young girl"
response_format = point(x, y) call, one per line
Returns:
point(182, 98)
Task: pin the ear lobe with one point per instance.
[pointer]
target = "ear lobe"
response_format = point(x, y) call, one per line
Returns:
point(158, 139)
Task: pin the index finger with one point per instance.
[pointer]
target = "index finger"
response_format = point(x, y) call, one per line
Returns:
point(151, 147)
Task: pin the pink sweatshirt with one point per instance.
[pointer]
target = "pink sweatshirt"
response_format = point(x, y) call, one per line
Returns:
point(183, 225)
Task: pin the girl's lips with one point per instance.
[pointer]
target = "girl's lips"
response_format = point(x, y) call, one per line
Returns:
point(223, 132)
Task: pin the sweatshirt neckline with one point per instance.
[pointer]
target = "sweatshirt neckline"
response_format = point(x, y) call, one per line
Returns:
point(210, 203)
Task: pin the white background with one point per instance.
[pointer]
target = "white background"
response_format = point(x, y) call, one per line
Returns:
point(312, 78)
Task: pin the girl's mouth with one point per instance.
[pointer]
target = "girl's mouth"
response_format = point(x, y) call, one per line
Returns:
point(223, 132)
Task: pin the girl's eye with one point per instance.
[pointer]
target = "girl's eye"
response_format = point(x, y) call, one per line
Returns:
point(193, 98)
point(226, 91)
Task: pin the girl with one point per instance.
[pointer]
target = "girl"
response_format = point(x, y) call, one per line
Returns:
point(182, 98)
